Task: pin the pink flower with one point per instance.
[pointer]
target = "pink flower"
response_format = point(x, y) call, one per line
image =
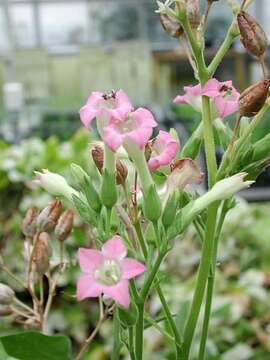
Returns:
point(164, 150)
point(136, 128)
point(107, 271)
point(223, 95)
point(105, 106)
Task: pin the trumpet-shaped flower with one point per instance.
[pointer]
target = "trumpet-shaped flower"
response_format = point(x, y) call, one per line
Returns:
point(107, 271)
point(104, 107)
point(164, 150)
point(136, 128)
point(224, 97)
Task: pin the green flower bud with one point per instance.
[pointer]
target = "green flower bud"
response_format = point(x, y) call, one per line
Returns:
point(170, 210)
point(152, 205)
point(108, 190)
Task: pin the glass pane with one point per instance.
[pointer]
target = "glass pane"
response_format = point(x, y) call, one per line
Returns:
point(63, 23)
point(22, 20)
point(3, 33)
point(113, 22)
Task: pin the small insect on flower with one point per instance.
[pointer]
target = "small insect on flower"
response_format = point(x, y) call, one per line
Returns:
point(107, 271)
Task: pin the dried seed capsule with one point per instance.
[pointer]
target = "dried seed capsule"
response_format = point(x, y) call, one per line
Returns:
point(193, 12)
point(5, 310)
point(42, 253)
point(48, 217)
point(253, 36)
point(6, 295)
point(97, 153)
point(172, 28)
point(64, 225)
point(253, 98)
point(30, 222)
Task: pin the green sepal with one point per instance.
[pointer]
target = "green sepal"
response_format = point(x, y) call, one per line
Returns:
point(84, 210)
point(152, 205)
point(261, 149)
point(108, 190)
point(128, 317)
point(170, 210)
point(91, 195)
point(192, 148)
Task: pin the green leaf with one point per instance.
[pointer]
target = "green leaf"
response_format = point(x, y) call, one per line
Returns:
point(4, 355)
point(35, 346)
point(181, 317)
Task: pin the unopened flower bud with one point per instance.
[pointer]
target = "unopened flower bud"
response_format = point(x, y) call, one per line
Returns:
point(172, 27)
point(97, 153)
point(30, 222)
point(253, 36)
point(42, 253)
point(5, 310)
point(78, 174)
point(64, 225)
point(6, 295)
point(48, 217)
point(253, 98)
point(54, 184)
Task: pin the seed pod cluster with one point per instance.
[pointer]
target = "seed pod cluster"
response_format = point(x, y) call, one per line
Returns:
point(253, 36)
point(97, 154)
point(253, 98)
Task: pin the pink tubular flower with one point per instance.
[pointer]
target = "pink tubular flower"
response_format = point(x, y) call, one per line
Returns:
point(136, 128)
point(107, 271)
point(164, 150)
point(105, 106)
point(223, 95)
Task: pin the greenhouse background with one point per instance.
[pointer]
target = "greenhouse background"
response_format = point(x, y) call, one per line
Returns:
point(53, 53)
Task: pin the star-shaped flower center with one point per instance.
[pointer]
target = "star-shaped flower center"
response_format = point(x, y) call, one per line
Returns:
point(109, 273)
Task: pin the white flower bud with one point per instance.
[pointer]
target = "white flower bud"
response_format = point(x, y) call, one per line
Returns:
point(6, 295)
point(222, 190)
point(54, 184)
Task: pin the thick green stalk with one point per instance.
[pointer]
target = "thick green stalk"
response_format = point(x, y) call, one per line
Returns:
point(116, 337)
point(210, 287)
point(209, 240)
point(109, 160)
point(131, 343)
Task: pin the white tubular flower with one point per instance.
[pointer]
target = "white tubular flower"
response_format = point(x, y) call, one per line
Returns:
point(222, 190)
point(54, 184)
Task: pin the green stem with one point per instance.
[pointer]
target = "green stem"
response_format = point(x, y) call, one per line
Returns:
point(177, 338)
point(108, 222)
point(116, 337)
point(204, 268)
point(139, 332)
point(142, 242)
point(210, 287)
point(231, 35)
point(131, 343)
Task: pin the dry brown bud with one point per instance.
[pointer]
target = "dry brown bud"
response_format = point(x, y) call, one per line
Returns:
point(253, 36)
point(29, 224)
point(148, 149)
point(5, 310)
point(6, 295)
point(48, 217)
point(172, 28)
point(253, 98)
point(193, 12)
point(42, 253)
point(97, 153)
point(64, 225)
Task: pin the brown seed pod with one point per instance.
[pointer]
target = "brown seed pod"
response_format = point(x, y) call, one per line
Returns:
point(253, 36)
point(6, 295)
point(30, 222)
point(42, 253)
point(172, 28)
point(97, 153)
point(48, 217)
point(193, 12)
point(64, 225)
point(5, 310)
point(253, 98)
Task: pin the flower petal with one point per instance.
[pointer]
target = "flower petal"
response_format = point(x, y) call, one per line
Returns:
point(114, 248)
point(89, 259)
point(131, 268)
point(89, 111)
point(211, 88)
point(87, 287)
point(119, 293)
point(112, 137)
point(225, 107)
